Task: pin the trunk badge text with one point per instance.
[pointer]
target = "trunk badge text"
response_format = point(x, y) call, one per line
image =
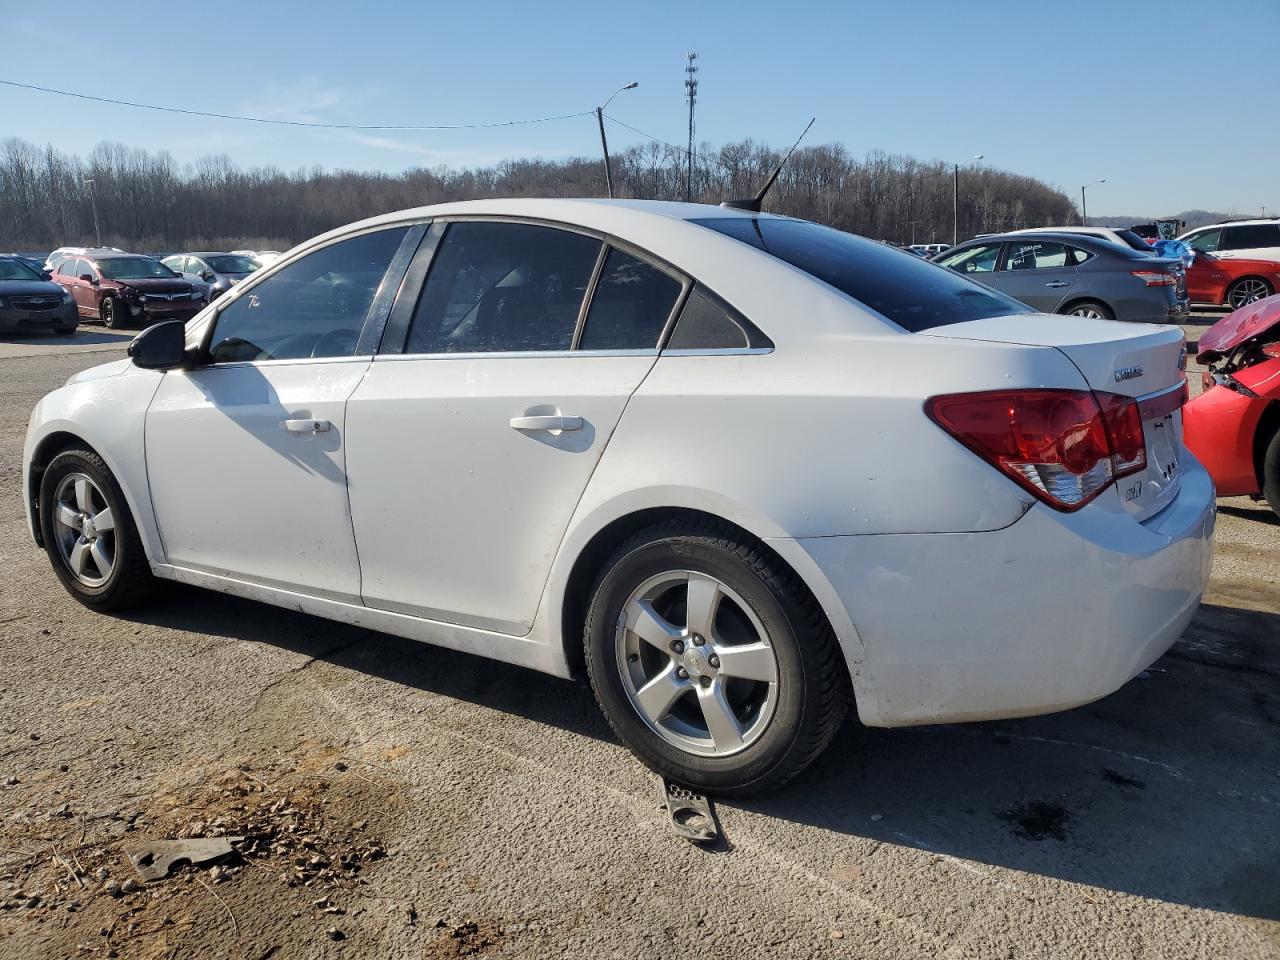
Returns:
point(1128, 373)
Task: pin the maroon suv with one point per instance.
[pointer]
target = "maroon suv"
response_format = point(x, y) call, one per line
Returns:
point(122, 289)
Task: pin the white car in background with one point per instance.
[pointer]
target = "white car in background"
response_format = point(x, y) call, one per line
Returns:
point(1125, 238)
point(1239, 239)
point(262, 257)
point(741, 470)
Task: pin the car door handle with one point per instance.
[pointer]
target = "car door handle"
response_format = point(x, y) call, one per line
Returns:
point(546, 423)
point(307, 426)
point(1057, 283)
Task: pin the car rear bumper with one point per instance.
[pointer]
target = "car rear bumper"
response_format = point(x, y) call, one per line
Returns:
point(1053, 611)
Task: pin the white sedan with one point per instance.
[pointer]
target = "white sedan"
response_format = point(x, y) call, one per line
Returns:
point(740, 470)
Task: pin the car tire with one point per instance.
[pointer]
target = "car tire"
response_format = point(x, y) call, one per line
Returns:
point(770, 731)
point(78, 481)
point(1247, 290)
point(113, 313)
point(1271, 473)
point(1089, 308)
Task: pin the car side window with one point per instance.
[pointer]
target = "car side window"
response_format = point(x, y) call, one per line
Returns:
point(708, 323)
point(314, 307)
point(502, 287)
point(1250, 236)
point(1076, 256)
point(1035, 255)
point(979, 259)
point(1205, 242)
point(632, 303)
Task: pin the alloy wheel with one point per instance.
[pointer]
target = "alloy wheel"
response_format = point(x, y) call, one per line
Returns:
point(85, 529)
point(696, 663)
point(1089, 312)
point(1248, 291)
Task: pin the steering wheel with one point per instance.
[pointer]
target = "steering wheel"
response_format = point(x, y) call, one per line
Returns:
point(335, 343)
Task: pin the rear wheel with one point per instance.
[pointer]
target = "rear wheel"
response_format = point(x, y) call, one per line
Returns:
point(1271, 473)
point(711, 660)
point(1247, 290)
point(90, 535)
point(1089, 308)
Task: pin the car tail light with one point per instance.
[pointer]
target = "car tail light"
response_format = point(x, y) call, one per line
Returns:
point(1155, 278)
point(1064, 446)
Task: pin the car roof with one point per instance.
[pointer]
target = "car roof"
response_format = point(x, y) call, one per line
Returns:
point(1065, 229)
point(202, 253)
point(1268, 221)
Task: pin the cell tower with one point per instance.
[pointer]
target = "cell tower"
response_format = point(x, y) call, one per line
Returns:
point(691, 94)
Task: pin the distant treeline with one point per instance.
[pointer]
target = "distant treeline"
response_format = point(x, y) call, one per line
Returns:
point(146, 201)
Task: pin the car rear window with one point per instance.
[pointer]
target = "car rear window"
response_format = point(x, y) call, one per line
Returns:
point(914, 294)
point(1134, 241)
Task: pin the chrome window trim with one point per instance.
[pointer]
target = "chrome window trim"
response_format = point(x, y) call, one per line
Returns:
point(719, 352)
point(518, 355)
point(284, 361)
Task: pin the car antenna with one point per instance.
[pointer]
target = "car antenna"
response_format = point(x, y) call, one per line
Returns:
point(757, 201)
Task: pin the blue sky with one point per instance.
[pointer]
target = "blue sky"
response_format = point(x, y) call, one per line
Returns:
point(1169, 100)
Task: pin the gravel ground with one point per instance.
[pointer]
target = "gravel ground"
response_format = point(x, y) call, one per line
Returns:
point(405, 801)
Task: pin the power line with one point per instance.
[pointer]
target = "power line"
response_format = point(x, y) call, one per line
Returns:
point(297, 123)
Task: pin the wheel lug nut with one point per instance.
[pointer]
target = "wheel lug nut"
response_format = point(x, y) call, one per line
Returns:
point(698, 640)
point(713, 660)
point(682, 673)
point(677, 646)
point(705, 681)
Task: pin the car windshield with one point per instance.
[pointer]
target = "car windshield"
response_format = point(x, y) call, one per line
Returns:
point(914, 294)
point(230, 263)
point(11, 269)
point(134, 268)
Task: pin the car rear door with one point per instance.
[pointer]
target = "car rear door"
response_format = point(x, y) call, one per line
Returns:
point(1037, 272)
point(476, 429)
point(247, 452)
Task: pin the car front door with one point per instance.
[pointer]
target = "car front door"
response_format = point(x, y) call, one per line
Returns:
point(977, 262)
point(473, 435)
point(1040, 273)
point(68, 277)
point(246, 451)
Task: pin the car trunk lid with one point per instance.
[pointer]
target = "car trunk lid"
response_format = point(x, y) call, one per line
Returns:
point(1141, 361)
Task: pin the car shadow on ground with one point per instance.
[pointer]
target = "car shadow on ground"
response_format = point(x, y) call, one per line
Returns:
point(1167, 789)
point(1258, 516)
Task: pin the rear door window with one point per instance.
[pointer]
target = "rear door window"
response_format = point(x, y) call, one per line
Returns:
point(708, 323)
point(631, 305)
point(1035, 255)
point(503, 287)
point(1251, 236)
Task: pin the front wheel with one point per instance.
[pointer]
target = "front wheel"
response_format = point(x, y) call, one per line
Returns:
point(711, 660)
point(1271, 473)
point(1247, 290)
point(114, 313)
point(1090, 308)
point(90, 535)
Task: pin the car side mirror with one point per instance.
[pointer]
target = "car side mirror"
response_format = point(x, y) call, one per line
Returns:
point(46, 275)
point(161, 347)
point(207, 276)
point(86, 277)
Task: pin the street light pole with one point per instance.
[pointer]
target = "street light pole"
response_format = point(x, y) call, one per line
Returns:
point(93, 200)
point(1084, 210)
point(604, 143)
point(955, 198)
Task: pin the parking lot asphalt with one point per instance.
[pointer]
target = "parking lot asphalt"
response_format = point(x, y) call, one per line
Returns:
point(407, 801)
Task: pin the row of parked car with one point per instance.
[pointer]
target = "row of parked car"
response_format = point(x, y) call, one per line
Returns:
point(1119, 274)
point(114, 286)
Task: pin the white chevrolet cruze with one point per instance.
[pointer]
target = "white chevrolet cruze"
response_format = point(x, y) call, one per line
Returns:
point(740, 469)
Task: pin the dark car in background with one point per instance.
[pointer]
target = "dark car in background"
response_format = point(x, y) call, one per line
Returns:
point(221, 271)
point(1075, 274)
point(127, 289)
point(29, 302)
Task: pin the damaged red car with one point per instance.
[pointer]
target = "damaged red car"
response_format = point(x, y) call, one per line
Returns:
point(1233, 428)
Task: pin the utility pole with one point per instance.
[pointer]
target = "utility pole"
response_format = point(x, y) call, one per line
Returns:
point(955, 197)
point(691, 94)
point(604, 144)
point(97, 230)
point(1084, 211)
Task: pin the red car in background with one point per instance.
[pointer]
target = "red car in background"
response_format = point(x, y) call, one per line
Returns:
point(1232, 283)
point(1233, 428)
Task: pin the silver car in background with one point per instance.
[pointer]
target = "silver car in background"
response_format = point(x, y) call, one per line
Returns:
point(219, 271)
point(1076, 274)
